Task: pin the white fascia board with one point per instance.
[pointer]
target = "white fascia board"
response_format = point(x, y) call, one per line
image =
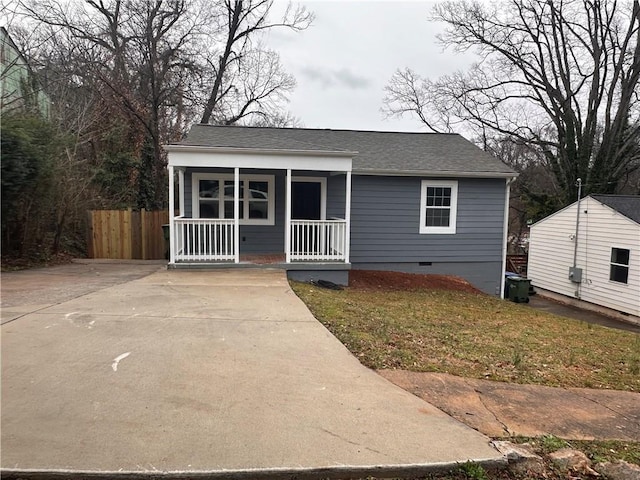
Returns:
point(188, 156)
point(434, 174)
point(558, 212)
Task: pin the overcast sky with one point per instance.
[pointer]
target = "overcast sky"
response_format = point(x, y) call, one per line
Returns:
point(344, 60)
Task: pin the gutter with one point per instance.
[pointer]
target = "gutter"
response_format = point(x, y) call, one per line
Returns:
point(435, 173)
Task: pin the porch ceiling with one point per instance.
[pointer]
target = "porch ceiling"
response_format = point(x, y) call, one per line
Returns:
point(196, 156)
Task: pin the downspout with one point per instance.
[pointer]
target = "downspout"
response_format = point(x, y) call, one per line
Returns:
point(573, 276)
point(505, 233)
point(575, 238)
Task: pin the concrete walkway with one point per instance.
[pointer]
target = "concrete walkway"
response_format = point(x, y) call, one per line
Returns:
point(223, 372)
point(549, 305)
point(503, 409)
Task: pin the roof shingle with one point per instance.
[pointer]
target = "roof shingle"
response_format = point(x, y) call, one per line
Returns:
point(379, 152)
point(627, 205)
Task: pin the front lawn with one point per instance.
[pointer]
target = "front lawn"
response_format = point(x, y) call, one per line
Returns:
point(473, 335)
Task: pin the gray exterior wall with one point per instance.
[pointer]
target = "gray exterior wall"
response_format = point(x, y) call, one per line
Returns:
point(385, 222)
point(336, 194)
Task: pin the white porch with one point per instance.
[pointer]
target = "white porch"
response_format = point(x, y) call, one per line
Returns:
point(210, 241)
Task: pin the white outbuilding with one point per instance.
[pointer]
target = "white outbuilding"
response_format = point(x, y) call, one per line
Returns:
point(589, 252)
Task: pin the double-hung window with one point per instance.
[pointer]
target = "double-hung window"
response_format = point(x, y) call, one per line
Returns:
point(213, 197)
point(619, 271)
point(438, 206)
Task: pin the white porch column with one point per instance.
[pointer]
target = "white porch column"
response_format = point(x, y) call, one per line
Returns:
point(287, 232)
point(172, 242)
point(181, 190)
point(236, 214)
point(347, 217)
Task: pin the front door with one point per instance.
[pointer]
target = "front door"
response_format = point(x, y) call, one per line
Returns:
point(306, 200)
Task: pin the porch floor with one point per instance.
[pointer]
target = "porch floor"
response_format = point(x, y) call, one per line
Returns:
point(263, 259)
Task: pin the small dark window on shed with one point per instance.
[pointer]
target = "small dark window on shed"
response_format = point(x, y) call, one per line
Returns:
point(619, 265)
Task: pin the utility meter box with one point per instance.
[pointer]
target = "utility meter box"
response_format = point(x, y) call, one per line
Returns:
point(575, 274)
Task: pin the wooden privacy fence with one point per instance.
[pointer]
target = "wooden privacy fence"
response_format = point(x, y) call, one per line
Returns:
point(127, 234)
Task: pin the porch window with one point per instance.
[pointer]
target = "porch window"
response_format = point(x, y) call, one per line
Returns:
point(619, 271)
point(213, 197)
point(438, 206)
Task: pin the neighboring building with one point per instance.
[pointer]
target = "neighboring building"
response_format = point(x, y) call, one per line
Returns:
point(19, 88)
point(326, 201)
point(607, 253)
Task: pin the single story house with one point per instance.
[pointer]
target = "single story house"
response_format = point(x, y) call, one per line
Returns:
point(325, 201)
point(590, 252)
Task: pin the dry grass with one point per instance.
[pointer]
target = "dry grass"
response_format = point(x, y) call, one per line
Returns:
point(475, 335)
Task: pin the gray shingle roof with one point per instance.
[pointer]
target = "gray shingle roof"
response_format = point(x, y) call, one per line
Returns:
point(627, 205)
point(380, 152)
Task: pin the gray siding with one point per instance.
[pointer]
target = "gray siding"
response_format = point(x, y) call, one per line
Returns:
point(385, 221)
point(336, 193)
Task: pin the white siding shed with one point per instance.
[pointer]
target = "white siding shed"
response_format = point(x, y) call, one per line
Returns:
point(608, 252)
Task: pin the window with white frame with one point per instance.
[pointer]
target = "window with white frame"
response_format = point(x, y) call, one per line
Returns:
point(619, 271)
point(438, 206)
point(213, 197)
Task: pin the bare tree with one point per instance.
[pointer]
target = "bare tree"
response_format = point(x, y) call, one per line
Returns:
point(561, 77)
point(138, 56)
point(279, 120)
point(160, 61)
point(241, 22)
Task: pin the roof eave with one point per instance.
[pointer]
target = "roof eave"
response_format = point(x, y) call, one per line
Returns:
point(434, 173)
point(261, 151)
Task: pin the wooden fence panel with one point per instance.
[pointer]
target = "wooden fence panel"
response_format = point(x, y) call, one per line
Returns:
point(153, 246)
point(125, 234)
point(136, 235)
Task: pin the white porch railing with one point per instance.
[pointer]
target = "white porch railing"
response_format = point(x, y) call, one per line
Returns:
point(318, 240)
point(203, 239)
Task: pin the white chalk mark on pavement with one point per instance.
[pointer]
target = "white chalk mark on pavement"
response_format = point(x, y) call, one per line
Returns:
point(116, 360)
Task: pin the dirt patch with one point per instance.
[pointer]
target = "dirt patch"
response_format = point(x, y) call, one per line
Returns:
point(9, 264)
point(383, 280)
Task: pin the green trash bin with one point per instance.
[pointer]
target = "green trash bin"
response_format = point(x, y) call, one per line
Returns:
point(165, 232)
point(518, 289)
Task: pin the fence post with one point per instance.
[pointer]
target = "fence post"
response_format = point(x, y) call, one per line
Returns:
point(143, 235)
point(91, 251)
point(125, 232)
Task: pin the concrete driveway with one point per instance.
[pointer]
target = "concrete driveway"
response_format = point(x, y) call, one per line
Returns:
point(222, 371)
